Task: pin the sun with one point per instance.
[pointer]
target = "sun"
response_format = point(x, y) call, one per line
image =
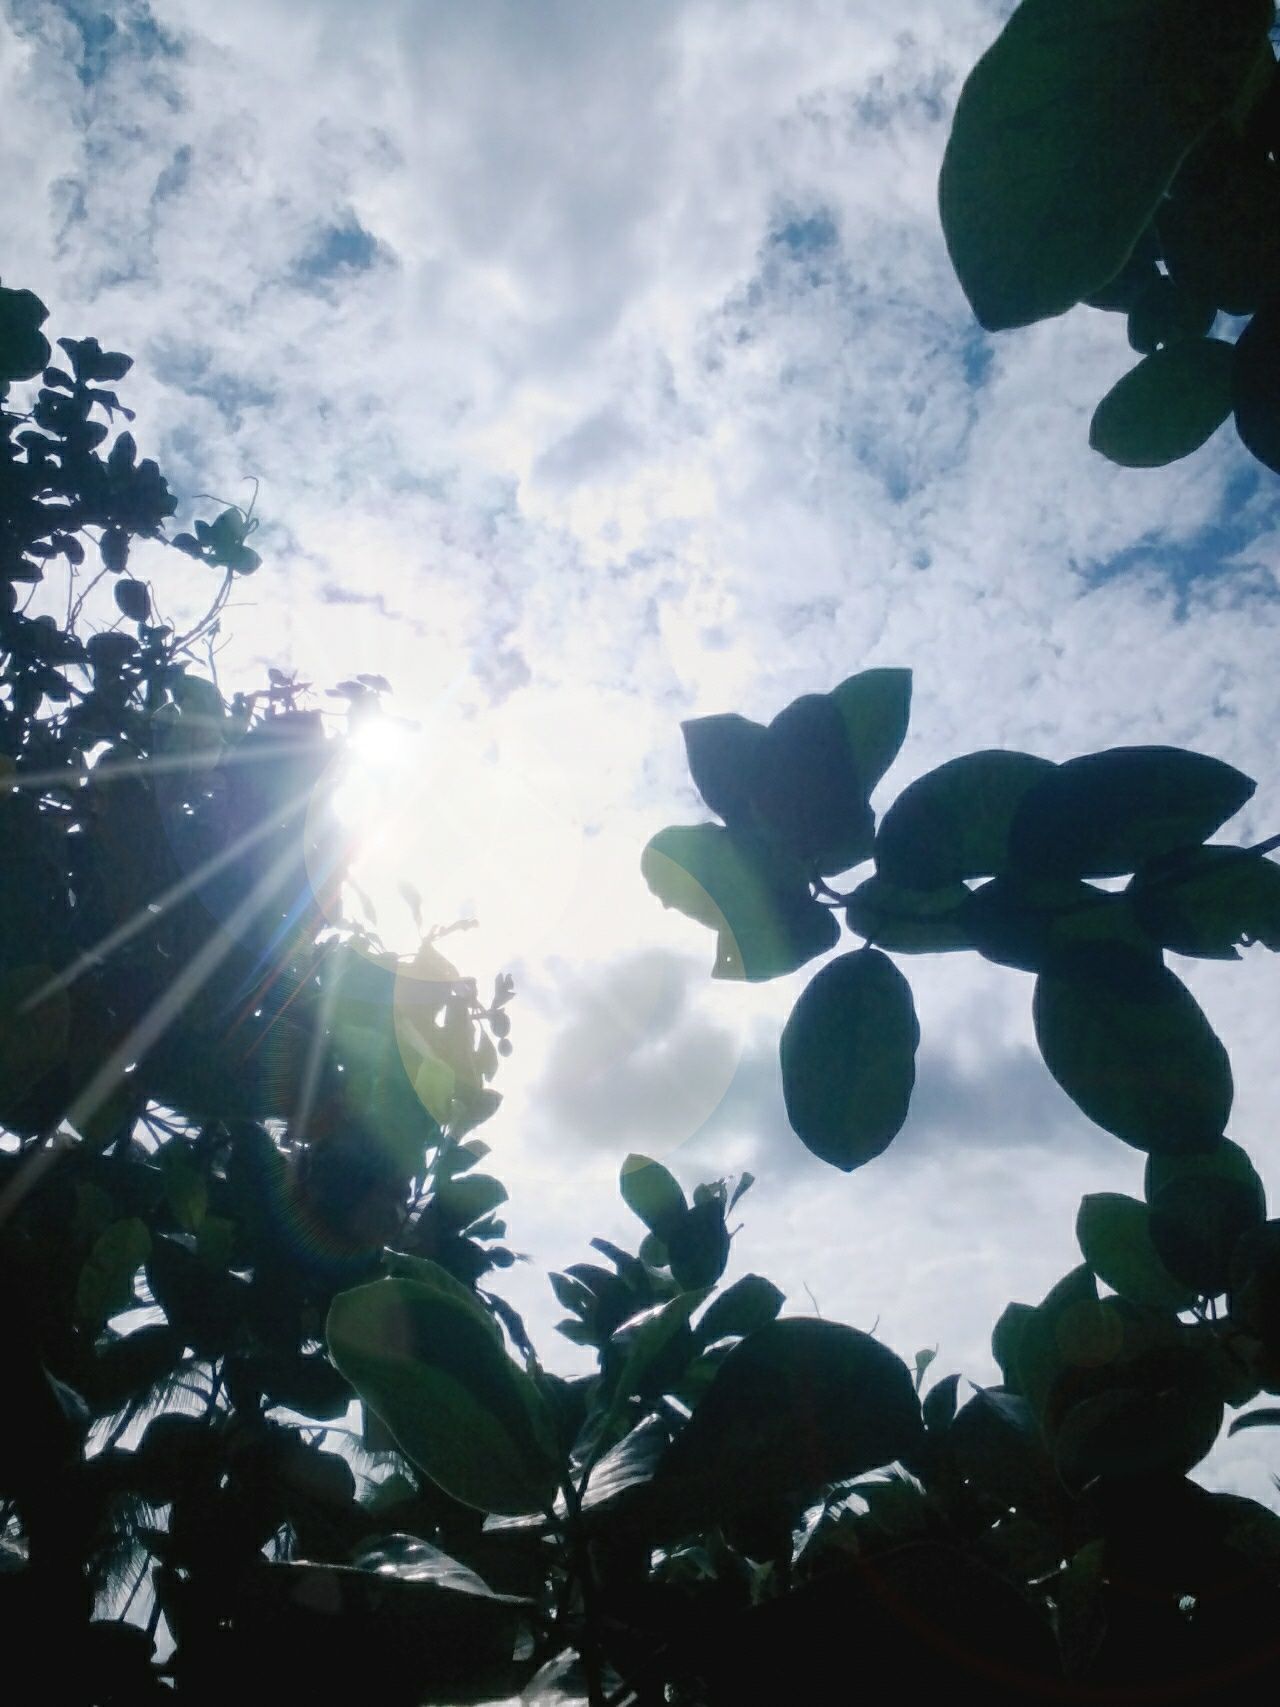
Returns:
point(446, 826)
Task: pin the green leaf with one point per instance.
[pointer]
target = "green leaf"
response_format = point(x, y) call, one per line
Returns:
point(848, 1059)
point(1166, 407)
point(908, 921)
point(1069, 131)
point(875, 708)
point(1266, 1416)
point(467, 1198)
point(1065, 1329)
point(750, 1303)
point(105, 1285)
point(809, 796)
point(457, 1405)
point(653, 1193)
point(1025, 922)
point(1115, 1238)
point(756, 900)
point(1225, 1160)
point(724, 754)
point(1256, 386)
point(796, 1405)
point(1127, 1042)
point(640, 1351)
point(698, 1248)
point(1006, 1337)
point(1161, 1427)
point(1106, 813)
point(24, 349)
point(1204, 901)
point(954, 822)
point(1196, 1221)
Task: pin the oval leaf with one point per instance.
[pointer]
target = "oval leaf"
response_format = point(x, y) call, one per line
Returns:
point(1065, 140)
point(455, 1402)
point(757, 901)
point(1127, 1042)
point(848, 1059)
point(954, 822)
point(1115, 1239)
point(1166, 407)
point(798, 1404)
point(875, 708)
point(1106, 813)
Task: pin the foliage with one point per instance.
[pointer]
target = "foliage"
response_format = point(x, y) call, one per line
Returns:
point(1000, 853)
point(264, 1428)
point(1123, 153)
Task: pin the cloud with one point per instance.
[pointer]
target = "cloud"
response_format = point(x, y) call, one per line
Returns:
point(603, 366)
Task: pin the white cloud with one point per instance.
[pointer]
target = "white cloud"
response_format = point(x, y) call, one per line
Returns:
point(657, 395)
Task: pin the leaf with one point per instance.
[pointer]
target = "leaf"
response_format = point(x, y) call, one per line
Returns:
point(875, 707)
point(1256, 385)
point(848, 1059)
point(24, 349)
point(105, 1285)
point(698, 1248)
point(1065, 139)
point(639, 1351)
point(1064, 1329)
point(954, 822)
point(1115, 1239)
point(1006, 1337)
point(750, 1303)
point(1196, 1221)
point(939, 1407)
point(466, 1198)
point(133, 600)
point(409, 1559)
point(1161, 1425)
point(1204, 901)
point(798, 1404)
point(1225, 1160)
point(457, 1405)
point(1166, 407)
point(653, 1193)
point(1267, 1416)
point(1127, 1042)
point(757, 902)
point(808, 795)
point(1106, 813)
point(923, 1360)
point(909, 921)
point(724, 754)
point(1026, 922)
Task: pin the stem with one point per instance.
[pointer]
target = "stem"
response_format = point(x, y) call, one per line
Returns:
point(581, 1564)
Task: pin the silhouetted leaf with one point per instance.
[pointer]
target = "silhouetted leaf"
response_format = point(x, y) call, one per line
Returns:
point(796, 1405)
point(455, 1402)
point(875, 708)
point(1166, 312)
point(954, 822)
point(1006, 1337)
point(133, 600)
point(940, 1404)
point(750, 1303)
point(1164, 1423)
point(1025, 922)
point(1256, 385)
point(809, 796)
point(653, 1193)
point(1115, 1238)
point(1167, 406)
point(908, 921)
point(1065, 140)
point(1196, 1220)
point(724, 753)
point(1104, 814)
point(24, 349)
point(1127, 1042)
point(1225, 1160)
point(1204, 901)
point(848, 1059)
point(755, 899)
point(1266, 1416)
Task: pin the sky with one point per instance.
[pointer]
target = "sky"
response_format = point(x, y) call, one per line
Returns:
point(601, 365)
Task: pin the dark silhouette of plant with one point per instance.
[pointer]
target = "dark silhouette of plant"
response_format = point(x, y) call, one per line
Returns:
point(264, 1429)
point(1123, 153)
